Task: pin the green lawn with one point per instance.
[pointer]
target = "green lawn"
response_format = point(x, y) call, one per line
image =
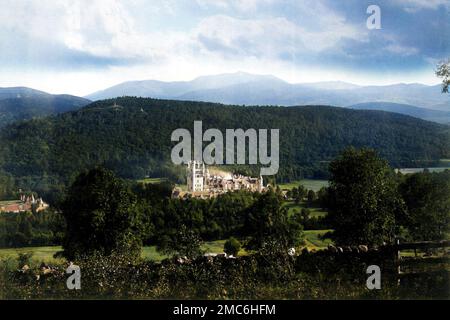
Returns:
point(208, 247)
point(40, 254)
point(213, 246)
point(417, 170)
point(309, 184)
point(150, 253)
point(313, 240)
point(292, 207)
point(152, 180)
point(45, 254)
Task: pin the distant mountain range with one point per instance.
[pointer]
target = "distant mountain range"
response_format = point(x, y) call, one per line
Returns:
point(417, 100)
point(20, 103)
point(406, 109)
point(248, 89)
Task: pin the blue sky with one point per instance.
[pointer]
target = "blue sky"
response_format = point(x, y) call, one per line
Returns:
point(80, 46)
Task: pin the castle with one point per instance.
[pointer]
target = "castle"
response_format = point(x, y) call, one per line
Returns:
point(201, 183)
point(26, 203)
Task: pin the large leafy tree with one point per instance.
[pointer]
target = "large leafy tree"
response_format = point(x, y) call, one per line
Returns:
point(363, 199)
point(299, 193)
point(269, 226)
point(101, 216)
point(427, 197)
point(183, 242)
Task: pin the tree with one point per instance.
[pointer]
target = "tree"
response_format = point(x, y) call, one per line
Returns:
point(443, 71)
point(427, 198)
point(322, 197)
point(363, 199)
point(232, 246)
point(299, 193)
point(101, 218)
point(183, 242)
point(268, 225)
point(305, 213)
point(311, 197)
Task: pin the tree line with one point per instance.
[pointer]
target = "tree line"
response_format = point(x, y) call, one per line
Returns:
point(131, 136)
point(367, 203)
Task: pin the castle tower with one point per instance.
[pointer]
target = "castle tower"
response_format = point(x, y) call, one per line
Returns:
point(195, 176)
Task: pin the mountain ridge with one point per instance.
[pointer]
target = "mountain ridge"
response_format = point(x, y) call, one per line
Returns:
point(22, 103)
point(248, 89)
point(405, 109)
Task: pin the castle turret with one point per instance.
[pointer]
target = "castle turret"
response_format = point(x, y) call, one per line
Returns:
point(195, 176)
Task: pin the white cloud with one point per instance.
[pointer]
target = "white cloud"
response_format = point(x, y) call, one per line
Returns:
point(401, 50)
point(238, 5)
point(102, 28)
point(416, 5)
point(272, 37)
point(95, 27)
point(221, 36)
point(105, 28)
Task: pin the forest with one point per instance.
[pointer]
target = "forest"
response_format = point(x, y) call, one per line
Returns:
point(131, 136)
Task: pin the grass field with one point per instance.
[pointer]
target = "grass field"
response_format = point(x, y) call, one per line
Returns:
point(209, 247)
point(309, 184)
point(416, 170)
point(45, 254)
point(152, 180)
point(313, 239)
point(40, 254)
point(292, 207)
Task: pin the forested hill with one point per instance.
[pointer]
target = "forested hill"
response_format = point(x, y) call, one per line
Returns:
point(24, 103)
point(132, 135)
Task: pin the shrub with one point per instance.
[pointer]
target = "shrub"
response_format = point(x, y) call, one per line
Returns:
point(232, 246)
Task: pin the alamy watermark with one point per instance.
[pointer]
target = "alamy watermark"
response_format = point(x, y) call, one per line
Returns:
point(374, 20)
point(374, 280)
point(74, 280)
point(239, 146)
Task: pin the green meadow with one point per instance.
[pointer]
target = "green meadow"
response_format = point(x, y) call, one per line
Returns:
point(46, 254)
point(152, 180)
point(309, 184)
point(293, 207)
point(314, 241)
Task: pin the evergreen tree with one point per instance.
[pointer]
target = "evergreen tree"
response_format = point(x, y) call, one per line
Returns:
point(101, 216)
point(364, 199)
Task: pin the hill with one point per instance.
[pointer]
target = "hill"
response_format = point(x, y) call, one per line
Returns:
point(422, 113)
point(21, 103)
point(161, 89)
point(247, 89)
point(132, 136)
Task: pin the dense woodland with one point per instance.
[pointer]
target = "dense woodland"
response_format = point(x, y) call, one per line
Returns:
point(17, 104)
point(27, 229)
point(131, 136)
point(415, 207)
point(103, 221)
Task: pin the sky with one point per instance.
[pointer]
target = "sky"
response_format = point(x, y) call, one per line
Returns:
point(81, 46)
